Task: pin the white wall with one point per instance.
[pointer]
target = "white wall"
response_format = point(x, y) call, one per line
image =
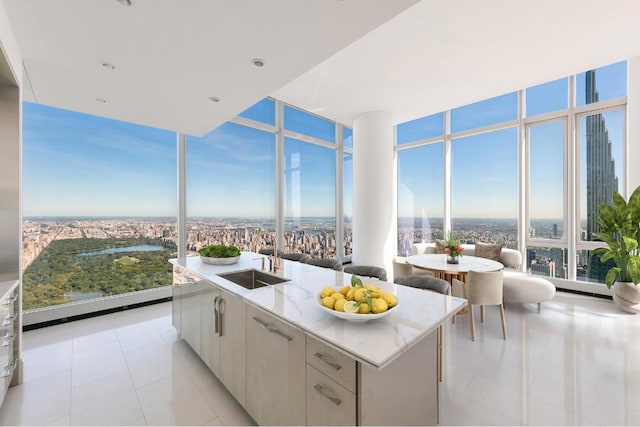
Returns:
point(633, 124)
point(9, 46)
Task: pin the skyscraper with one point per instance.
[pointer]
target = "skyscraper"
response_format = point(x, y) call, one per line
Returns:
point(601, 175)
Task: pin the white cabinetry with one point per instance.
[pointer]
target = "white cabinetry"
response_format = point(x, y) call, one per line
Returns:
point(275, 370)
point(331, 386)
point(223, 342)
point(9, 336)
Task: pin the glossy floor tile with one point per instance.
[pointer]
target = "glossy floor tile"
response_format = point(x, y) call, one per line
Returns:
point(573, 363)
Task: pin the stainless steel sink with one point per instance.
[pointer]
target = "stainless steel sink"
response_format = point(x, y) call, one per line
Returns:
point(252, 279)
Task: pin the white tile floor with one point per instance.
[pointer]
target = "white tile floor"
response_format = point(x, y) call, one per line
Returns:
point(575, 362)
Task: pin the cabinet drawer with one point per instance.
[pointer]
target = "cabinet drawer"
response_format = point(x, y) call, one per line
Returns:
point(328, 403)
point(332, 363)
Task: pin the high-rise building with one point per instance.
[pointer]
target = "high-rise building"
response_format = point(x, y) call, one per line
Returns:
point(602, 181)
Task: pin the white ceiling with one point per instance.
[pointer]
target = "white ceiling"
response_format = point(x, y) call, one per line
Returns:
point(336, 58)
point(441, 54)
point(172, 55)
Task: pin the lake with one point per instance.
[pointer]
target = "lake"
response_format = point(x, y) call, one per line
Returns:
point(138, 248)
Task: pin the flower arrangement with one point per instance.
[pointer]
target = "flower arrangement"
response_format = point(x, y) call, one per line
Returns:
point(453, 247)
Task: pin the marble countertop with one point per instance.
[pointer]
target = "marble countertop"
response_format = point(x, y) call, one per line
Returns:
point(376, 342)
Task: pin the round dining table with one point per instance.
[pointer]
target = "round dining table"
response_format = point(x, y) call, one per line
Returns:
point(437, 264)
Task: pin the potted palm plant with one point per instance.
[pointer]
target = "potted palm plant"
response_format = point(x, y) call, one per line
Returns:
point(620, 230)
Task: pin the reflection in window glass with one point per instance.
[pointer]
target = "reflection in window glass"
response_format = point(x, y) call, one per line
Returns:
point(484, 113)
point(347, 137)
point(547, 262)
point(231, 188)
point(602, 84)
point(308, 124)
point(263, 111)
point(309, 189)
point(601, 150)
point(547, 97)
point(484, 187)
point(420, 196)
point(422, 128)
point(99, 206)
point(546, 181)
point(347, 204)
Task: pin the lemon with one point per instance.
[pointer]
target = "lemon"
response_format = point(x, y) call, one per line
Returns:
point(344, 290)
point(390, 299)
point(337, 295)
point(370, 287)
point(326, 291)
point(358, 294)
point(350, 307)
point(350, 296)
point(364, 308)
point(376, 294)
point(340, 304)
point(328, 302)
point(378, 305)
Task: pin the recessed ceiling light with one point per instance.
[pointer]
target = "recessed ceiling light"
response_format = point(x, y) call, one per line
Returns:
point(214, 99)
point(124, 2)
point(101, 100)
point(258, 62)
point(108, 66)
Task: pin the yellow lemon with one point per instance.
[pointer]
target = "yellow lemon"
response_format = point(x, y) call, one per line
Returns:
point(340, 304)
point(378, 305)
point(337, 295)
point(344, 290)
point(358, 294)
point(326, 291)
point(370, 287)
point(328, 302)
point(350, 296)
point(350, 307)
point(390, 299)
point(364, 308)
point(376, 294)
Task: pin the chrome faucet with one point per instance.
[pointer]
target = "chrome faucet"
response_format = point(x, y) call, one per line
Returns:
point(275, 264)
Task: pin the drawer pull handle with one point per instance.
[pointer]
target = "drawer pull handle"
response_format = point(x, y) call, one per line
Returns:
point(8, 340)
point(321, 390)
point(8, 370)
point(271, 329)
point(8, 320)
point(10, 301)
point(327, 361)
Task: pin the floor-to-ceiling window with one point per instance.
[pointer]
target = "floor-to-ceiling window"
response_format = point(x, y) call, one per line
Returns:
point(562, 140)
point(231, 188)
point(420, 181)
point(99, 209)
point(347, 190)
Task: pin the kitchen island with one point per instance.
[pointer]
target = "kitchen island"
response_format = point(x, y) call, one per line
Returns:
point(287, 361)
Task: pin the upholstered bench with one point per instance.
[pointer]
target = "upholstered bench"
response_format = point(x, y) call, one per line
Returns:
point(518, 286)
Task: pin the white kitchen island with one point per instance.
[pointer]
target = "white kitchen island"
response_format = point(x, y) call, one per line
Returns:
point(288, 362)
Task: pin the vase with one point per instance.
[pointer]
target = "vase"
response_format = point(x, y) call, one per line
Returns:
point(626, 295)
point(452, 259)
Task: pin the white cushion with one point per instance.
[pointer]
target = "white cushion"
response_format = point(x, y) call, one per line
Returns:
point(508, 257)
point(523, 287)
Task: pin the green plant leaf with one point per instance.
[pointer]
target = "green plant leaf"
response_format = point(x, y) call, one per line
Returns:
point(629, 243)
point(355, 281)
point(607, 255)
point(612, 275)
point(633, 266)
point(367, 295)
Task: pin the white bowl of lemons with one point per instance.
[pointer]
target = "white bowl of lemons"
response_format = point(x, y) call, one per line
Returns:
point(357, 303)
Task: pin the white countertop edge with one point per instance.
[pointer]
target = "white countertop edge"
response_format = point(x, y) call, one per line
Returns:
point(201, 270)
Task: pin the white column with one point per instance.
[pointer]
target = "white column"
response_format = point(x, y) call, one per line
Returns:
point(374, 191)
point(633, 125)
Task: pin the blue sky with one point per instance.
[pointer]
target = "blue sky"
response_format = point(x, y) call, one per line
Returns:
point(77, 164)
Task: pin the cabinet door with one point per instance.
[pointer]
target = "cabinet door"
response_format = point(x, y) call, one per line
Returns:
point(190, 313)
point(176, 311)
point(233, 345)
point(209, 321)
point(275, 370)
point(328, 403)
